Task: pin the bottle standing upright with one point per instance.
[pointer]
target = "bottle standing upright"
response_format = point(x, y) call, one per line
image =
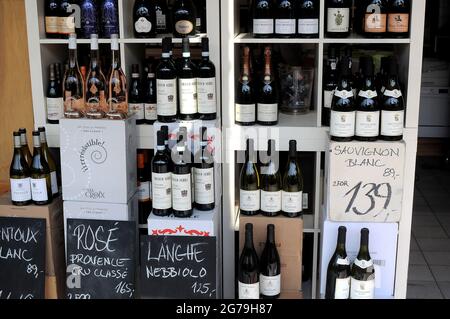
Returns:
point(51, 18)
point(109, 13)
point(267, 107)
point(66, 19)
point(375, 18)
point(89, 18)
point(206, 85)
point(50, 161)
point(285, 22)
point(362, 285)
point(204, 174)
point(308, 13)
point(41, 185)
point(19, 175)
point(248, 272)
point(263, 18)
point(24, 144)
point(162, 17)
point(271, 183)
point(184, 18)
point(54, 98)
point(270, 268)
point(292, 193)
point(166, 86)
point(135, 96)
point(187, 85)
point(338, 18)
point(161, 179)
point(249, 192)
point(245, 106)
point(399, 18)
point(144, 189)
point(330, 84)
point(150, 99)
point(144, 19)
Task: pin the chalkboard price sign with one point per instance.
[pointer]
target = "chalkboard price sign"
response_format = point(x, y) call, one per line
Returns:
point(101, 259)
point(178, 267)
point(22, 258)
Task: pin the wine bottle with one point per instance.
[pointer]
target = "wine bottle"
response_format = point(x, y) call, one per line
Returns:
point(25, 149)
point(109, 13)
point(285, 21)
point(363, 271)
point(267, 107)
point(41, 185)
point(271, 184)
point(144, 18)
point(95, 84)
point(245, 106)
point(338, 14)
point(50, 161)
point(150, 112)
point(161, 179)
point(162, 16)
point(398, 18)
point(143, 190)
point(308, 12)
point(165, 130)
point(135, 98)
point(66, 19)
point(338, 272)
point(54, 98)
point(89, 18)
point(263, 18)
point(330, 84)
point(52, 9)
point(348, 54)
point(270, 268)
point(392, 106)
point(249, 192)
point(248, 272)
point(187, 84)
point(206, 85)
point(166, 86)
point(292, 193)
point(182, 179)
point(19, 175)
point(73, 84)
point(342, 123)
point(204, 174)
point(58, 75)
point(375, 18)
point(381, 76)
point(184, 18)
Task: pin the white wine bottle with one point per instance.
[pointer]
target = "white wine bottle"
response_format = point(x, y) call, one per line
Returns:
point(249, 193)
point(41, 185)
point(271, 184)
point(292, 193)
point(248, 272)
point(19, 175)
point(363, 271)
point(270, 268)
point(50, 161)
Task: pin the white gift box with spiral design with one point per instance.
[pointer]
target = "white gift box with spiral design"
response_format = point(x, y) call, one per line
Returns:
point(98, 160)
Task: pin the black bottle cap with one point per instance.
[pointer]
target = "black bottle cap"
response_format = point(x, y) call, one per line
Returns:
point(36, 133)
point(165, 130)
point(392, 66)
point(364, 236)
point(160, 138)
point(249, 227)
point(205, 44)
point(292, 148)
point(23, 131)
point(270, 228)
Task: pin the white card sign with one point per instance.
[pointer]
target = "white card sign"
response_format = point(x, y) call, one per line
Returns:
point(365, 181)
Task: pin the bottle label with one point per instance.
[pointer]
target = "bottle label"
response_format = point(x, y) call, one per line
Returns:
point(263, 26)
point(39, 190)
point(55, 108)
point(338, 19)
point(270, 201)
point(245, 113)
point(362, 289)
point(267, 112)
point(184, 27)
point(110, 20)
point(162, 190)
point(144, 191)
point(66, 25)
point(363, 264)
point(398, 22)
point(375, 22)
point(188, 96)
point(344, 94)
point(51, 25)
point(285, 26)
point(369, 94)
point(291, 202)
point(160, 20)
point(248, 291)
point(204, 185)
point(393, 93)
point(181, 192)
point(392, 123)
point(54, 180)
point(166, 97)
point(342, 288)
point(73, 102)
point(206, 88)
point(308, 26)
point(328, 99)
point(343, 261)
point(270, 285)
point(367, 124)
point(342, 124)
point(138, 109)
point(20, 190)
point(249, 200)
point(142, 25)
point(150, 112)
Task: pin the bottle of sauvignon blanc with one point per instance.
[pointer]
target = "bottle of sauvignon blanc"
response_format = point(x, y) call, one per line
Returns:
point(267, 108)
point(206, 85)
point(292, 193)
point(249, 193)
point(25, 149)
point(263, 18)
point(338, 273)
point(245, 107)
point(41, 185)
point(338, 14)
point(54, 98)
point(270, 268)
point(50, 161)
point(19, 175)
point(204, 174)
point(166, 86)
point(161, 179)
point(182, 179)
point(248, 272)
point(187, 84)
point(363, 271)
point(271, 184)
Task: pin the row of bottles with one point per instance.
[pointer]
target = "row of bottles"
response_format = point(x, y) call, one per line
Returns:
point(265, 191)
point(33, 178)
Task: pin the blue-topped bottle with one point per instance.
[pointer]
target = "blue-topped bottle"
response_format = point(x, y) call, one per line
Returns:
point(89, 21)
point(109, 18)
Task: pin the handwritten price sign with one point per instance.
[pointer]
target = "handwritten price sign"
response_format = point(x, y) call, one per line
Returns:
point(365, 181)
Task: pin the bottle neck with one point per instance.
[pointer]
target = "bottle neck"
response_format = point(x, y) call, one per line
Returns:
point(246, 66)
point(341, 242)
point(17, 142)
point(73, 63)
point(37, 143)
point(23, 140)
point(364, 247)
point(205, 55)
point(249, 240)
point(268, 67)
point(43, 139)
point(94, 59)
point(115, 59)
point(271, 236)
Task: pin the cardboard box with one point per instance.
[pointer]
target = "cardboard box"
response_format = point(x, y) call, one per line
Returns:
point(383, 250)
point(289, 239)
point(54, 288)
point(98, 160)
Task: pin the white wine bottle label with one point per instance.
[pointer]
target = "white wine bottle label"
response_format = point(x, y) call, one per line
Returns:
point(184, 26)
point(20, 190)
point(392, 123)
point(245, 113)
point(363, 264)
point(144, 191)
point(362, 289)
point(55, 108)
point(308, 26)
point(367, 124)
point(66, 25)
point(344, 94)
point(343, 262)
point(204, 185)
point(338, 19)
point(270, 201)
point(285, 26)
point(51, 25)
point(270, 285)
point(327, 98)
point(137, 109)
point(392, 93)
point(249, 200)
point(369, 94)
point(143, 25)
point(150, 112)
point(291, 202)
point(267, 112)
point(188, 96)
point(182, 192)
point(263, 26)
point(39, 190)
point(248, 291)
point(206, 88)
point(342, 288)
point(166, 97)
point(54, 180)
point(162, 190)
point(342, 124)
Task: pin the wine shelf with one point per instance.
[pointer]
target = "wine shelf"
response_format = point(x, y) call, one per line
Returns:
point(358, 39)
point(248, 38)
